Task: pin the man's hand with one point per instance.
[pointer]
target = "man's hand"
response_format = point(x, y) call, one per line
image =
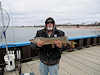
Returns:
point(58, 43)
point(40, 43)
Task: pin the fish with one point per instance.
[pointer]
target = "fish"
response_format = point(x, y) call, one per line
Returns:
point(51, 40)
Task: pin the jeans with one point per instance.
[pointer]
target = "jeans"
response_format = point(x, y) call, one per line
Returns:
point(45, 69)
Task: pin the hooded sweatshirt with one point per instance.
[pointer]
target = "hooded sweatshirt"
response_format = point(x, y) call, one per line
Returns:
point(50, 55)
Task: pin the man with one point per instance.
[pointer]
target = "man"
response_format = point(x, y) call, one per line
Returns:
point(49, 55)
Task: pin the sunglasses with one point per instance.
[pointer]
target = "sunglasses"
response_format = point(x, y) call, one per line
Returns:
point(50, 22)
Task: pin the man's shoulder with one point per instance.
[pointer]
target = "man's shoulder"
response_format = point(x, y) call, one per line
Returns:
point(58, 30)
point(41, 30)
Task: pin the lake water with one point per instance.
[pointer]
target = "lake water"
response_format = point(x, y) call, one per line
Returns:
point(22, 34)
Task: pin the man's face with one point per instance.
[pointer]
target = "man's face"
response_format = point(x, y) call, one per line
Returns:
point(50, 26)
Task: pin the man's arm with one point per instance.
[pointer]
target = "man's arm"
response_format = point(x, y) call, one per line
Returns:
point(39, 43)
point(34, 45)
point(58, 42)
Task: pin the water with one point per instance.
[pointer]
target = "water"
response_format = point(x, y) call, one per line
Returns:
point(22, 34)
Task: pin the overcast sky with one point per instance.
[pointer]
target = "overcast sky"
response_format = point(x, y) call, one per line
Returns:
point(34, 12)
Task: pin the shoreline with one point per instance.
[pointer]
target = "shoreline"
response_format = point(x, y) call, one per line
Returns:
point(62, 26)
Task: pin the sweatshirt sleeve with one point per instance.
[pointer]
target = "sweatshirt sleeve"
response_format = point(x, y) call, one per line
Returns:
point(33, 45)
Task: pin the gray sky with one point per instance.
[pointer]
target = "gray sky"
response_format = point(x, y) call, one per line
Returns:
point(34, 12)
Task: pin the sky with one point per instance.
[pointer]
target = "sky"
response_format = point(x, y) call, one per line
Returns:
point(34, 12)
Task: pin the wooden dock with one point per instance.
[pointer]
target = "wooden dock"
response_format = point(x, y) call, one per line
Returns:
point(79, 62)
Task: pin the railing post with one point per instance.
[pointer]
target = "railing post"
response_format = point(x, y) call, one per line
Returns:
point(80, 44)
point(88, 42)
point(98, 40)
point(94, 42)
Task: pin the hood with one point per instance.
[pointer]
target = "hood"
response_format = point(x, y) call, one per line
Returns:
point(50, 20)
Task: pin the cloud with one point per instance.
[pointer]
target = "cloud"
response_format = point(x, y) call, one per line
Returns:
point(31, 12)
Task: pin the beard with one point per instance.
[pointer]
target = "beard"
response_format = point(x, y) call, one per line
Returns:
point(49, 28)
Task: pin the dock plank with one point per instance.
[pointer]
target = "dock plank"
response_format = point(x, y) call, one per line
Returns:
point(80, 62)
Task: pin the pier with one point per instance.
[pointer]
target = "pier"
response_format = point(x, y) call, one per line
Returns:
point(79, 62)
point(82, 59)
